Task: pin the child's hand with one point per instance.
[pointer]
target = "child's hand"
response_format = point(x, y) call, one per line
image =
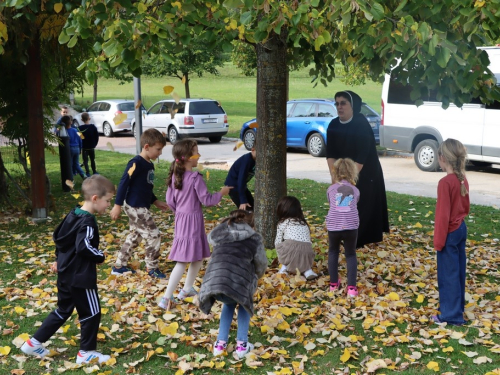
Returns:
point(115, 212)
point(53, 267)
point(245, 206)
point(225, 190)
point(161, 205)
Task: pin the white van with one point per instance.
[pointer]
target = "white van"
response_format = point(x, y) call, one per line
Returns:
point(420, 130)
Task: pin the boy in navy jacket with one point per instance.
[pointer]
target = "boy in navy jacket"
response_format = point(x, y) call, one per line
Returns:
point(238, 176)
point(89, 143)
point(77, 253)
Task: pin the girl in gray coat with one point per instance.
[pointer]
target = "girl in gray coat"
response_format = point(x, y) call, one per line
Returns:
point(238, 260)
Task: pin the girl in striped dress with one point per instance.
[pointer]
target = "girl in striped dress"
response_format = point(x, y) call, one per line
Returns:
point(342, 222)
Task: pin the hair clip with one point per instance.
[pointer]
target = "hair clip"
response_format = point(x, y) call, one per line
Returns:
point(462, 182)
point(177, 160)
point(182, 158)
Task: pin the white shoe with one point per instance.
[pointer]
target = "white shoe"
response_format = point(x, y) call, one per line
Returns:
point(219, 348)
point(91, 356)
point(310, 274)
point(242, 350)
point(282, 269)
point(32, 349)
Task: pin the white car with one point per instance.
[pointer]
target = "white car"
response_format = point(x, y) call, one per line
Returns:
point(189, 118)
point(103, 112)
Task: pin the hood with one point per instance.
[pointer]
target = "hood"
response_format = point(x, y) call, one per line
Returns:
point(225, 233)
point(65, 234)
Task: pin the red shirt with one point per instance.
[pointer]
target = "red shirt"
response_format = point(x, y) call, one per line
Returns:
point(451, 208)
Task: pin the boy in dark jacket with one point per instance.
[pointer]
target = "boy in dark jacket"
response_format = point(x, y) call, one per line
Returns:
point(77, 253)
point(89, 142)
point(238, 176)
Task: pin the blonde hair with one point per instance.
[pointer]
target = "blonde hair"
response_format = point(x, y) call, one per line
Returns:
point(345, 169)
point(97, 185)
point(454, 154)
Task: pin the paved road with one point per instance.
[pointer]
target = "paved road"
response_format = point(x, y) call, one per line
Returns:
point(400, 172)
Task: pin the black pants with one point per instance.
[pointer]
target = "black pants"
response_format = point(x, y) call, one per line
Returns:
point(235, 197)
point(89, 153)
point(88, 307)
point(349, 237)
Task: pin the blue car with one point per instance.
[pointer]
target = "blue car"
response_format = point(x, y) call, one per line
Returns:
point(307, 122)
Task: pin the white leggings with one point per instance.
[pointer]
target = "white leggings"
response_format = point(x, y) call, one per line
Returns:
point(176, 276)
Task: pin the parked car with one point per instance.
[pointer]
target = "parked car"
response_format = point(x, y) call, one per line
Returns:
point(103, 112)
point(307, 122)
point(188, 118)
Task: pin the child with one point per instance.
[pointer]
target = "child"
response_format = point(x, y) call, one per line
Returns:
point(75, 146)
point(293, 238)
point(64, 112)
point(186, 194)
point(342, 222)
point(135, 194)
point(450, 232)
point(77, 253)
point(238, 176)
point(238, 260)
point(89, 143)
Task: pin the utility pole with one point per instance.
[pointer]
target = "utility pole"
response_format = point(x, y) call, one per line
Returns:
point(138, 114)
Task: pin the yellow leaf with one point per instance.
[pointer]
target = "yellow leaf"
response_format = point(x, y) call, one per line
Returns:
point(207, 174)
point(285, 310)
point(168, 89)
point(138, 104)
point(393, 296)
point(81, 135)
point(253, 125)
point(19, 309)
point(170, 329)
point(110, 146)
point(183, 80)
point(479, 3)
point(76, 196)
point(420, 298)
point(119, 118)
point(345, 357)
point(176, 97)
point(238, 145)
point(418, 225)
point(449, 349)
point(69, 183)
point(283, 326)
point(4, 350)
point(433, 366)
point(149, 354)
point(131, 170)
point(266, 355)
point(58, 7)
point(265, 328)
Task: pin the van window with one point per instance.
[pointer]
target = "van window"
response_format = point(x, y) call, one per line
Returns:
point(204, 108)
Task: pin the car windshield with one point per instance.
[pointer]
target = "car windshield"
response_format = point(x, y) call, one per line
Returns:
point(205, 108)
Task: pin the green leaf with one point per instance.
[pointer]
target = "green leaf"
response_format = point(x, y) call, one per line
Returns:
point(128, 56)
point(63, 37)
point(115, 61)
point(443, 56)
point(73, 41)
point(401, 6)
point(99, 8)
point(110, 48)
point(227, 46)
point(432, 45)
point(246, 18)
point(233, 4)
point(377, 11)
point(318, 42)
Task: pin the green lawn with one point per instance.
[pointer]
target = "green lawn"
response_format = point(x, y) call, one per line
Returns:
point(236, 92)
point(298, 327)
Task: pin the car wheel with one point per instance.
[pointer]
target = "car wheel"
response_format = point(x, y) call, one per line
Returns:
point(316, 145)
point(173, 135)
point(214, 139)
point(107, 129)
point(134, 131)
point(426, 155)
point(249, 139)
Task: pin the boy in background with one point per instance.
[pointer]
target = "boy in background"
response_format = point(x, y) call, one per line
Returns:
point(77, 253)
point(89, 143)
point(135, 194)
point(240, 173)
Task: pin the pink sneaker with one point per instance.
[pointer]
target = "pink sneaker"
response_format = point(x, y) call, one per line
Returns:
point(352, 291)
point(335, 286)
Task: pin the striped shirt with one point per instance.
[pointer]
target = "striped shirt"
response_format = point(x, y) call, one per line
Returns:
point(343, 212)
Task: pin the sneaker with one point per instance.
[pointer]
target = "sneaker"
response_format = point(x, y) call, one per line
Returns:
point(335, 286)
point(91, 356)
point(167, 303)
point(32, 349)
point(183, 294)
point(87, 174)
point(310, 274)
point(436, 319)
point(352, 291)
point(243, 349)
point(282, 270)
point(121, 270)
point(155, 272)
point(219, 347)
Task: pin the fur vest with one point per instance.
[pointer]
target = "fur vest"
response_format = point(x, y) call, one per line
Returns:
point(238, 260)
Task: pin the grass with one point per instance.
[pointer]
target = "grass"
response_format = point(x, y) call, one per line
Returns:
point(377, 325)
point(236, 92)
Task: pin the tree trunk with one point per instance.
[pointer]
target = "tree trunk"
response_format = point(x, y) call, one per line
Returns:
point(186, 85)
point(35, 123)
point(95, 91)
point(4, 192)
point(270, 176)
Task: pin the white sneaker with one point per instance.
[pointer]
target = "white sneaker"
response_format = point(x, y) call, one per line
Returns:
point(91, 356)
point(310, 274)
point(242, 350)
point(32, 349)
point(219, 348)
point(282, 269)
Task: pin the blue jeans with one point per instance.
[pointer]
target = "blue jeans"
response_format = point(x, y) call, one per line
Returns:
point(75, 161)
point(451, 263)
point(226, 318)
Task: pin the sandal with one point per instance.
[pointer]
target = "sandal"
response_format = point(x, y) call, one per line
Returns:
point(167, 303)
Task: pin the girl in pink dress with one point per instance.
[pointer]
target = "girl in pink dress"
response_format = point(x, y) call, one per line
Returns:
point(186, 193)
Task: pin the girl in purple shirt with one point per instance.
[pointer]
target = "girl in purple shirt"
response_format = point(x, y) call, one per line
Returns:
point(342, 222)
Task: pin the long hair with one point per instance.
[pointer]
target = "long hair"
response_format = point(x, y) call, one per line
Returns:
point(181, 152)
point(345, 169)
point(289, 208)
point(454, 154)
point(239, 217)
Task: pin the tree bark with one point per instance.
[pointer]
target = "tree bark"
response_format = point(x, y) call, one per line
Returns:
point(35, 123)
point(186, 85)
point(95, 91)
point(270, 176)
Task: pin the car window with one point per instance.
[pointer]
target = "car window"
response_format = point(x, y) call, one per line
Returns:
point(104, 107)
point(155, 109)
point(94, 107)
point(126, 107)
point(326, 110)
point(304, 110)
point(164, 108)
point(205, 108)
point(367, 111)
point(289, 108)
